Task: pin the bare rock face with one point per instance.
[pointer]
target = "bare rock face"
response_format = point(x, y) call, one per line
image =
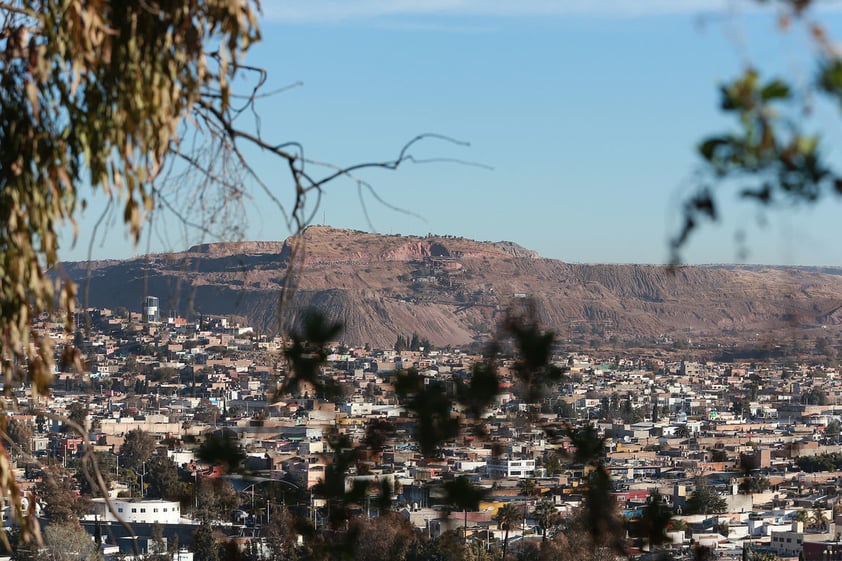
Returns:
point(515, 250)
point(453, 290)
point(235, 248)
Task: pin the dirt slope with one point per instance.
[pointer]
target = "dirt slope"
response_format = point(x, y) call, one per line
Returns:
point(453, 290)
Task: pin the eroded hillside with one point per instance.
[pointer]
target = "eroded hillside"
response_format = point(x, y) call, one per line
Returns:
point(454, 290)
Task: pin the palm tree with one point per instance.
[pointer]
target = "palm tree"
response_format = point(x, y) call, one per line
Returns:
point(801, 516)
point(819, 518)
point(683, 431)
point(547, 516)
point(508, 517)
point(528, 489)
point(462, 495)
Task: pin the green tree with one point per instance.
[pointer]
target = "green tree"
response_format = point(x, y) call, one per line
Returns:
point(86, 476)
point(450, 547)
point(548, 518)
point(388, 536)
point(163, 375)
point(68, 541)
point(163, 480)
point(529, 488)
point(78, 417)
point(217, 500)
point(754, 484)
point(281, 536)
point(718, 455)
point(461, 494)
point(508, 516)
point(553, 464)
point(744, 407)
point(136, 449)
point(207, 412)
point(814, 396)
point(802, 516)
point(705, 500)
point(819, 519)
point(57, 490)
point(204, 543)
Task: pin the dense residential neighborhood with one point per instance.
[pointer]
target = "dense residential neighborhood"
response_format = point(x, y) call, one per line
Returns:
point(744, 458)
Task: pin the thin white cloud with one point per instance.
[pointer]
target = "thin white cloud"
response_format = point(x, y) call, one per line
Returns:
point(335, 11)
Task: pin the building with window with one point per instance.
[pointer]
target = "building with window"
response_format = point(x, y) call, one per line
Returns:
point(138, 511)
point(498, 468)
point(791, 543)
point(151, 310)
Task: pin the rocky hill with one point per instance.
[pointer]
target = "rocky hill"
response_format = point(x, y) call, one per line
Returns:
point(455, 290)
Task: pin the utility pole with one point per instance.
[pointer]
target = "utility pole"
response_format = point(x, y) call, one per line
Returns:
point(142, 474)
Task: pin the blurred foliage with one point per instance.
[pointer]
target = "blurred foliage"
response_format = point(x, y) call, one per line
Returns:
point(534, 369)
point(377, 434)
point(341, 500)
point(222, 448)
point(427, 399)
point(480, 391)
point(20, 432)
point(307, 353)
point(437, 421)
point(770, 156)
point(656, 517)
point(91, 94)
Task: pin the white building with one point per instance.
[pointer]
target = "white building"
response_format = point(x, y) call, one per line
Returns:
point(790, 543)
point(149, 511)
point(497, 468)
point(151, 310)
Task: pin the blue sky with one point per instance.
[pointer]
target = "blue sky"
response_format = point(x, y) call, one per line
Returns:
point(587, 111)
